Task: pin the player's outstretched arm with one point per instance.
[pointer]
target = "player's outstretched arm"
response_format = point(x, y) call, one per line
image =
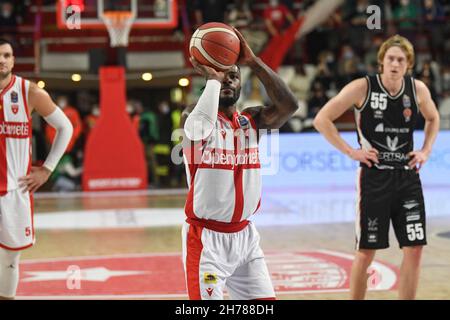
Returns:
point(431, 115)
point(40, 101)
point(352, 94)
point(285, 103)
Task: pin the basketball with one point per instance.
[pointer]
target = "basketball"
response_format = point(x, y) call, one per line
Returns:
point(215, 45)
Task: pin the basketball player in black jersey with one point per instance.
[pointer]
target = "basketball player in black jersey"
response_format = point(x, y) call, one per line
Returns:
point(386, 109)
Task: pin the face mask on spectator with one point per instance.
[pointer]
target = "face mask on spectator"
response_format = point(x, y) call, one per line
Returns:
point(96, 111)
point(6, 12)
point(62, 103)
point(273, 3)
point(164, 108)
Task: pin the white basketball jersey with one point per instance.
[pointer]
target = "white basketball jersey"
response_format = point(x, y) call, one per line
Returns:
point(15, 134)
point(223, 172)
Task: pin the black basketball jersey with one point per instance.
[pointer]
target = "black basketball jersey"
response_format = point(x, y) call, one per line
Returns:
point(387, 122)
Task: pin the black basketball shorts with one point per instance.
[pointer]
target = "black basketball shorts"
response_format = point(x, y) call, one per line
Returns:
point(385, 195)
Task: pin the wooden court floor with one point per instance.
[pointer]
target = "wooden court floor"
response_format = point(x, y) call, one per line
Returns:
point(434, 279)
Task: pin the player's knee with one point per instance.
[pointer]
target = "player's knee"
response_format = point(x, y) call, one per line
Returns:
point(413, 253)
point(9, 259)
point(365, 257)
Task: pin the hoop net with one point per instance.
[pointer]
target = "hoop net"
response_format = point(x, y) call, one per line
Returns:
point(119, 25)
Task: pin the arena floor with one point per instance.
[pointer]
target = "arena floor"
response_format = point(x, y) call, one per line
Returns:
point(122, 250)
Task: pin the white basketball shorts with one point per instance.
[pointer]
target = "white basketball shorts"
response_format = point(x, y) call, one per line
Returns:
point(16, 220)
point(215, 260)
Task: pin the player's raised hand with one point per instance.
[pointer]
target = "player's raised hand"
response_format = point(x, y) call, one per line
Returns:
point(418, 159)
point(36, 178)
point(367, 157)
point(206, 71)
point(246, 54)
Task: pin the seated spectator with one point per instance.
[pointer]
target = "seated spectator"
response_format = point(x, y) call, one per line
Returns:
point(317, 100)
point(406, 16)
point(276, 15)
point(210, 11)
point(67, 175)
point(240, 16)
point(8, 21)
point(74, 117)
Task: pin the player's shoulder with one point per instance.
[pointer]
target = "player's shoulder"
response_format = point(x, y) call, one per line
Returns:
point(420, 85)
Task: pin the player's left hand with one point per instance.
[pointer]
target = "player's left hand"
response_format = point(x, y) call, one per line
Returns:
point(246, 55)
point(418, 159)
point(36, 178)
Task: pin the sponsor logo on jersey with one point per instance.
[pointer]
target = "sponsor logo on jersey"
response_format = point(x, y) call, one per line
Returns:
point(392, 147)
point(216, 156)
point(391, 144)
point(243, 121)
point(210, 278)
point(410, 204)
point(379, 128)
point(373, 224)
point(378, 114)
point(14, 129)
point(407, 113)
point(210, 291)
point(406, 101)
point(372, 238)
point(15, 108)
point(14, 97)
point(412, 216)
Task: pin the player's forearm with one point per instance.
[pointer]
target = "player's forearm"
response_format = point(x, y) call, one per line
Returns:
point(431, 130)
point(278, 91)
point(201, 121)
point(327, 128)
point(64, 131)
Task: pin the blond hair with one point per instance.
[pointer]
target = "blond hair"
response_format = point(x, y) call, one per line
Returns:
point(403, 44)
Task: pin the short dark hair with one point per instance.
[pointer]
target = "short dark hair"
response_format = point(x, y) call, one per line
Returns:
point(4, 41)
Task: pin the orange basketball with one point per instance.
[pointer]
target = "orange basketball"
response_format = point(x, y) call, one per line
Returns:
point(216, 45)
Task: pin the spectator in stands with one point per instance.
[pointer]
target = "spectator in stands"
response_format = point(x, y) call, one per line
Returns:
point(300, 83)
point(317, 99)
point(349, 66)
point(8, 21)
point(240, 16)
point(134, 110)
point(67, 175)
point(276, 16)
point(433, 17)
point(370, 56)
point(446, 78)
point(210, 11)
point(432, 13)
point(91, 119)
point(149, 133)
point(326, 69)
point(406, 16)
point(357, 18)
point(74, 117)
point(163, 147)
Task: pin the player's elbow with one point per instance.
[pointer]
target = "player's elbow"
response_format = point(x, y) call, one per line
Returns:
point(319, 122)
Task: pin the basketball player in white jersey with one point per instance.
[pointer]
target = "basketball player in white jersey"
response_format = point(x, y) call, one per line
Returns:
point(220, 246)
point(386, 109)
point(18, 179)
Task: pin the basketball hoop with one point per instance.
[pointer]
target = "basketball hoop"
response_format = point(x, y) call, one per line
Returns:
point(119, 25)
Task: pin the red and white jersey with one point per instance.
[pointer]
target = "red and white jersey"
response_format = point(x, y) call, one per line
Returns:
point(223, 173)
point(15, 134)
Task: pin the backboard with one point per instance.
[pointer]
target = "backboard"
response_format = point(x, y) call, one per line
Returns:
point(86, 14)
